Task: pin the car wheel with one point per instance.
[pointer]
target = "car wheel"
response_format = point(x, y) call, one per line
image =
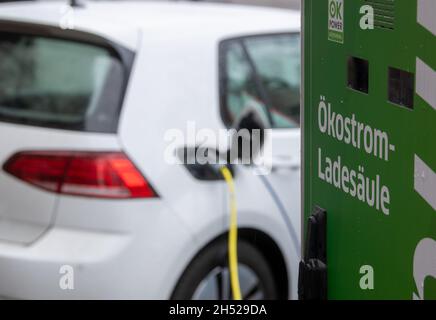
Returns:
point(208, 276)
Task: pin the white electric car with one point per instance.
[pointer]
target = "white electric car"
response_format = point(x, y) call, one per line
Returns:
point(89, 208)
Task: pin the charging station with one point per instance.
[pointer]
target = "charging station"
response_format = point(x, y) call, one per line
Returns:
point(369, 149)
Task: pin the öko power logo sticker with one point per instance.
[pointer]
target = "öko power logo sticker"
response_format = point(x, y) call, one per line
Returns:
point(336, 21)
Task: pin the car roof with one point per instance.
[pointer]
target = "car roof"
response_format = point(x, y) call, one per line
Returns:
point(117, 20)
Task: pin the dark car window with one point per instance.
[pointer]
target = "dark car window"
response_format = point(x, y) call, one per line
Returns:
point(264, 72)
point(59, 83)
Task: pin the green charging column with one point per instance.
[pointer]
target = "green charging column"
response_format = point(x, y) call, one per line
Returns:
point(369, 143)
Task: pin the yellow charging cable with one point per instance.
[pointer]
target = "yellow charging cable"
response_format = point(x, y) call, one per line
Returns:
point(233, 236)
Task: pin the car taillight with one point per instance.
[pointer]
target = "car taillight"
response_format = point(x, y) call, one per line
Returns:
point(92, 174)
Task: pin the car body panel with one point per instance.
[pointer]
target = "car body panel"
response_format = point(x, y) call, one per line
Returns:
point(29, 211)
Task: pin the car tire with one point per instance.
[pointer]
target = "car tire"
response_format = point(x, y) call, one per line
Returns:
point(254, 273)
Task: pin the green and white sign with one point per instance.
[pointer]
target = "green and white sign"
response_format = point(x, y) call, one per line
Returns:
point(369, 144)
point(336, 20)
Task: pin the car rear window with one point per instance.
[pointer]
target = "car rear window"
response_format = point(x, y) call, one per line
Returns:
point(59, 83)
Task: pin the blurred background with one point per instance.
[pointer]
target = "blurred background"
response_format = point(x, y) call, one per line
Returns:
point(292, 4)
point(273, 3)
